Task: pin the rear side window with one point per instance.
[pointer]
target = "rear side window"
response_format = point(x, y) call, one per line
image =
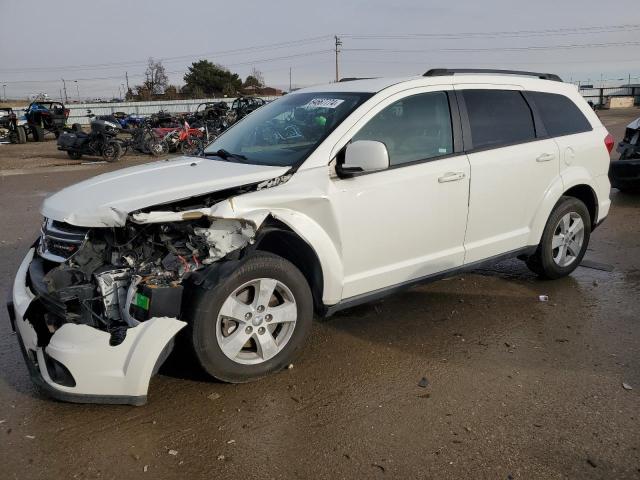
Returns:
point(498, 118)
point(559, 114)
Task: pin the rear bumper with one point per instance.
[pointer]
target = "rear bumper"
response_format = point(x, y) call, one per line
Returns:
point(92, 370)
point(625, 173)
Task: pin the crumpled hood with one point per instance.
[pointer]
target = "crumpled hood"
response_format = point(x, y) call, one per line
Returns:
point(106, 200)
point(635, 125)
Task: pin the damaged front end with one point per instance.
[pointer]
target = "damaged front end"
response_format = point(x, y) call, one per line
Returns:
point(97, 308)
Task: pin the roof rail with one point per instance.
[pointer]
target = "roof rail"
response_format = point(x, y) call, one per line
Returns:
point(437, 72)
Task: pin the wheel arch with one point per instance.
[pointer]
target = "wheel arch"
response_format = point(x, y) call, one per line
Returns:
point(278, 238)
point(578, 187)
point(587, 195)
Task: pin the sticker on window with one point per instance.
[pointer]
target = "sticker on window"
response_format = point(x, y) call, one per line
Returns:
point(323, 103)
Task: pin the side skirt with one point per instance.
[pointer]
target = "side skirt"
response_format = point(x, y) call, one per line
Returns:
point(383, 292)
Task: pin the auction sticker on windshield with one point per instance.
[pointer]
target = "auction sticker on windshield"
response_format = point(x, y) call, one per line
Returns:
point(323, 103)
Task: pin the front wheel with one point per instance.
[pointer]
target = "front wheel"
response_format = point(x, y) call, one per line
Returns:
point(21, 134)
point(564, 240)
point(253, 322)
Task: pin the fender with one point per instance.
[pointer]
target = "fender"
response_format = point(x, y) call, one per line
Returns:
point(323, 245)
point(569, 178)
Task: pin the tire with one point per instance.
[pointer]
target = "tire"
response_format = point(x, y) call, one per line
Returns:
point(74, 155)
point(207, 328)
point(549, 262)
point(38, 133)
point(191, 146)
point(111, 151)
point(21, 135)
point(156, 147)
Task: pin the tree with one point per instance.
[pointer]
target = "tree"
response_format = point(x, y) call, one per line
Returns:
point(254, 79)
point(211, 79)
point(156, 80)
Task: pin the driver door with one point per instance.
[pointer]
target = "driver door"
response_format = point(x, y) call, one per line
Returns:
point(406, 222)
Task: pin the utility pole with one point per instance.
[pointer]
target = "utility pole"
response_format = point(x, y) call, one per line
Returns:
point(289, 79)
point(338, 45)
point(64, 86)
point(126, 75)
point(77, 90)
point(4, 90)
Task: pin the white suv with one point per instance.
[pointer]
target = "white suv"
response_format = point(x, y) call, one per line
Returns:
point(324, 199)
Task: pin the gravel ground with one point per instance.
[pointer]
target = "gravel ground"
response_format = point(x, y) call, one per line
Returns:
point(517, 388)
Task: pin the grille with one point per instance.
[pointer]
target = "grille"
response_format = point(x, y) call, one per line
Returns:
point(59, 241)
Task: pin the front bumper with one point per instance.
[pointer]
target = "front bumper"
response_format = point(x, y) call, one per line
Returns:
point(92, 370)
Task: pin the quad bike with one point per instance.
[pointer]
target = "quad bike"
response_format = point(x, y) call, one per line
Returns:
point(11, 129)
point(127, 120)
point(45, 116)
point(100, 141)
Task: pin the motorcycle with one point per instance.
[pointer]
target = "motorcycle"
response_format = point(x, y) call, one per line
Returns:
point(186, 139)
point(100, 141)
point(143, 140)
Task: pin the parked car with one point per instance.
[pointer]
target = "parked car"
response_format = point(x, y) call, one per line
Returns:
point(45, 116)
point(324, 199)
point(624, 173)
point(11, 127)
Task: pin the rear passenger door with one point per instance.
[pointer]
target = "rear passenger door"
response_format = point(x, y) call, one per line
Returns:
point(512, 166)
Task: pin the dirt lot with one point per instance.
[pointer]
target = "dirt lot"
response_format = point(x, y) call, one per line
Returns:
point(518, 388)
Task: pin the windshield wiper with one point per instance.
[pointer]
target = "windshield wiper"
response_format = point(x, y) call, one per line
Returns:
point(226, 155)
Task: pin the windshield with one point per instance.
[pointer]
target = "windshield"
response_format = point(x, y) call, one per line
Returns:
point(286, 131)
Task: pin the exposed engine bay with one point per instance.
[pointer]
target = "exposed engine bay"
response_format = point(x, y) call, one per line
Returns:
point(114, 278)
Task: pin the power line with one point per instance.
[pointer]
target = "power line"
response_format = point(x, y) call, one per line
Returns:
point(355, 36)
point(503, 34)
point(221, 53)
point(492, 49)
point(250, 62)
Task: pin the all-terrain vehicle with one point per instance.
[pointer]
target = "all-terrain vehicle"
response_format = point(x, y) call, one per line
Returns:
point(128, 120)
point(11, 129)
point(100, 141)
point(45, 116)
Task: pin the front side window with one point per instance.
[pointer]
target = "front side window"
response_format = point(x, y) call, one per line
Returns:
point(414, 128)
point(559, 114)
point(498, 118)
point(285, 132)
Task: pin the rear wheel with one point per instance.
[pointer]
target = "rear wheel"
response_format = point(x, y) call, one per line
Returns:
point(564, 240)
point(21, 134)
point(253, 322)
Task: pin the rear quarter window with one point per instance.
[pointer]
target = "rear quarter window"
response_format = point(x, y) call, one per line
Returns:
point(559, 114)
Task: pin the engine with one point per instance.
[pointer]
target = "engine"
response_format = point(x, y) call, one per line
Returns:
point(114, 278)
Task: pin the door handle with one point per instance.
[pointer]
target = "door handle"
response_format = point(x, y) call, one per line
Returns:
point(451, 177)
point(545, 157)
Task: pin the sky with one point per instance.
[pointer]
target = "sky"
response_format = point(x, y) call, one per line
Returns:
point(92, 44)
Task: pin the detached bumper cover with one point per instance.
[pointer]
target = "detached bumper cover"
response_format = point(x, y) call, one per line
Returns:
point(100, 373)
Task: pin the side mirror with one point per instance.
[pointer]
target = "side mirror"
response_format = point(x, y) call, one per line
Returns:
point(363, 156)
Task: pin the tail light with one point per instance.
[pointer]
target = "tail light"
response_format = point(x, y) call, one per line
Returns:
point(66, 113)
point(609, 142)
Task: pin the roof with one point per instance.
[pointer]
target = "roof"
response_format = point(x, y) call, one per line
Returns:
point(374, 85)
